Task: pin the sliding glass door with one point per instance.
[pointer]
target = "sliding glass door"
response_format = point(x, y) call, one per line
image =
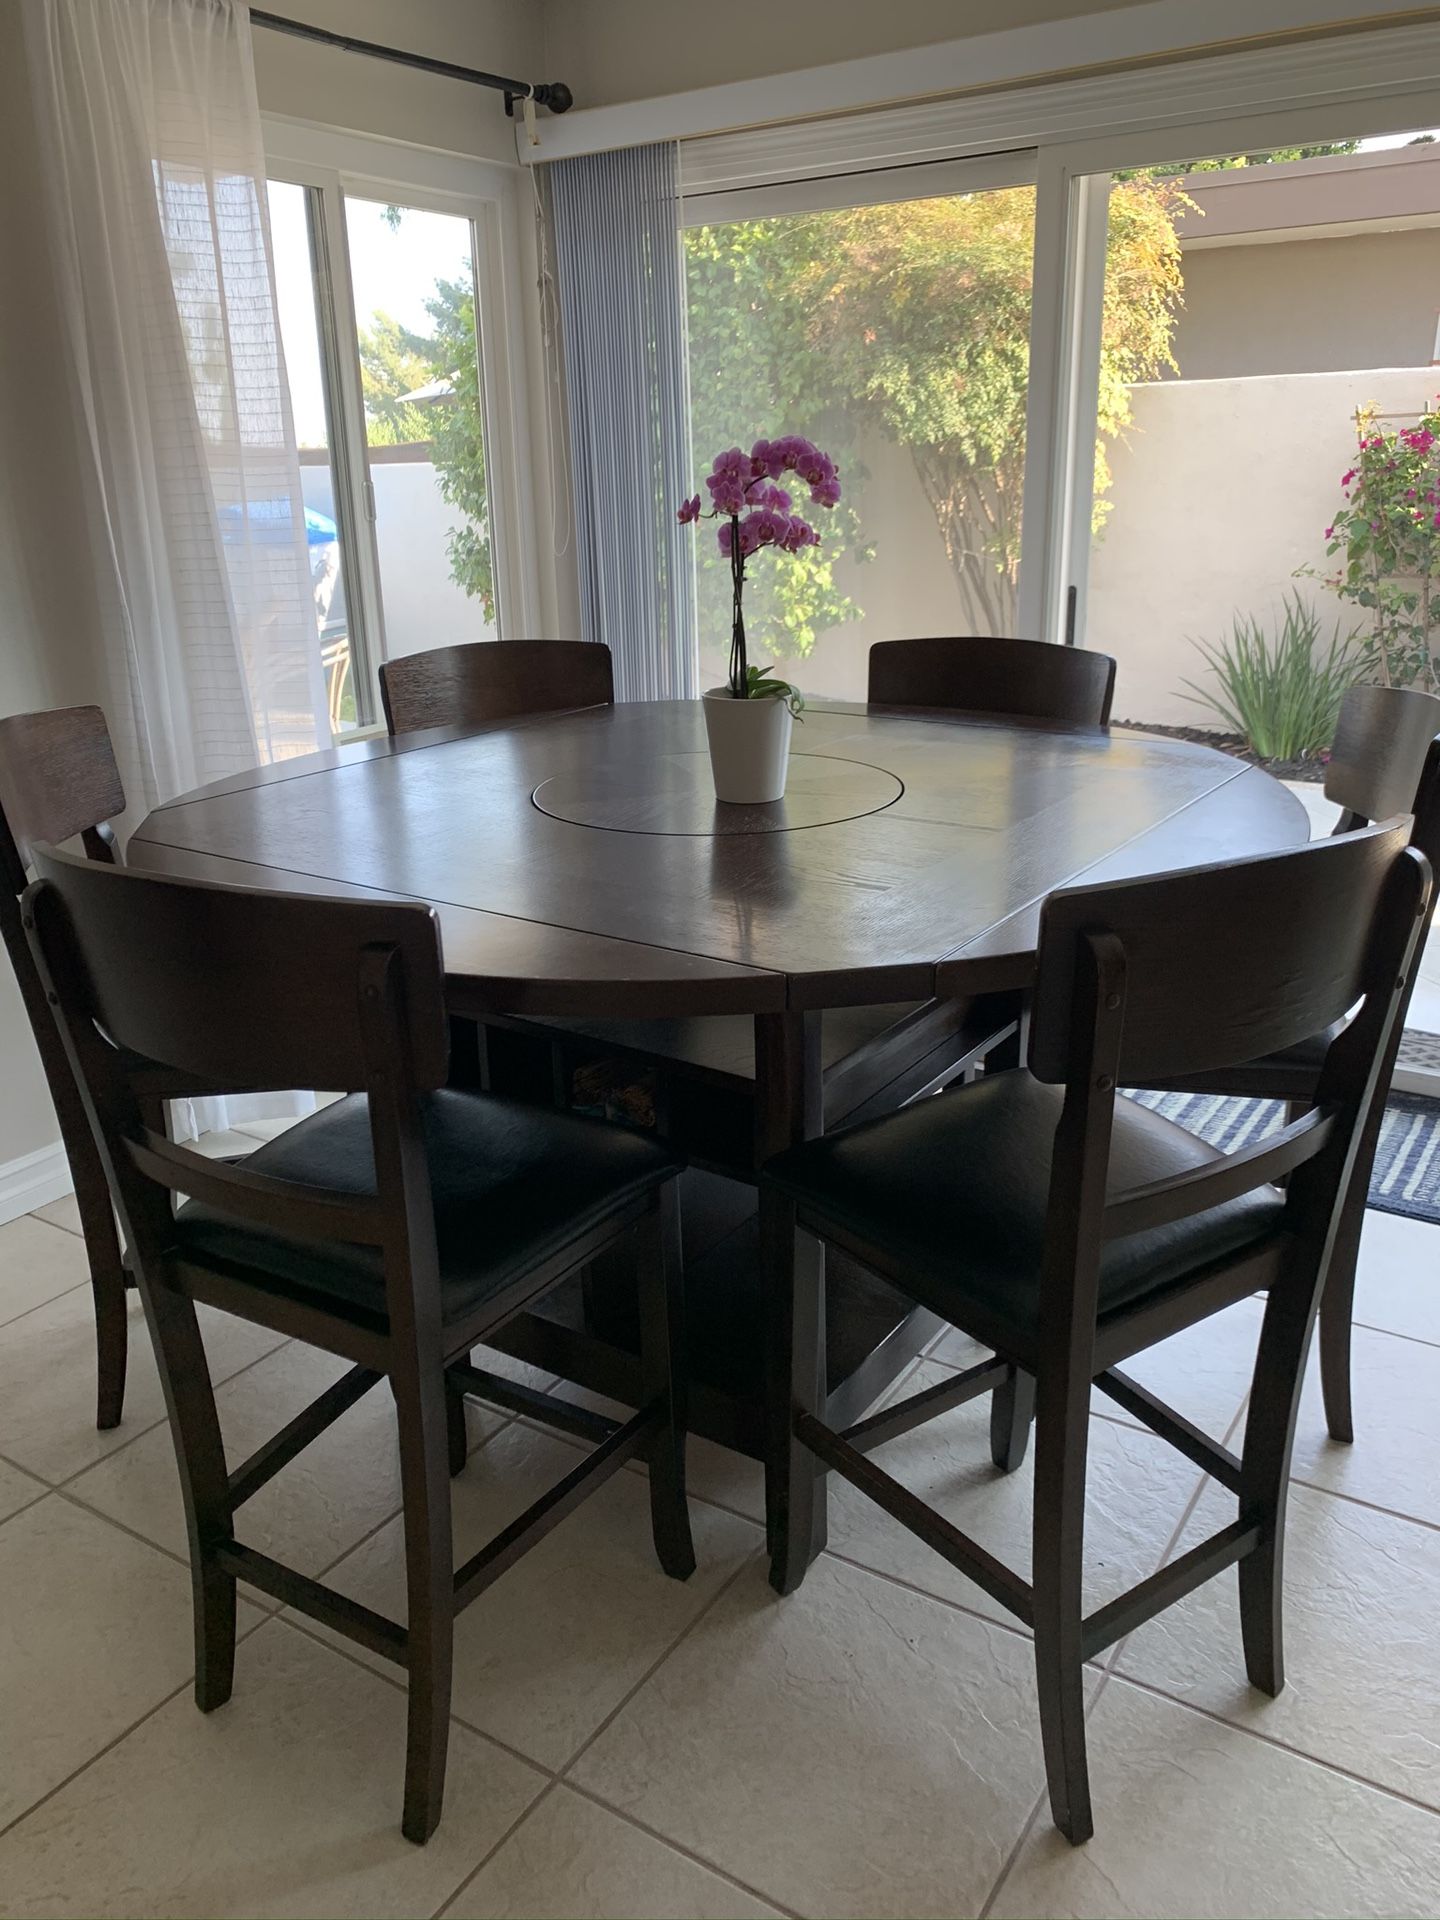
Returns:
point(412, 272)
point(892, 327)
point(390, 296)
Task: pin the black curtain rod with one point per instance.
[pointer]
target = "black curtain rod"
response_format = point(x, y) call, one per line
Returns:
point(553, 94)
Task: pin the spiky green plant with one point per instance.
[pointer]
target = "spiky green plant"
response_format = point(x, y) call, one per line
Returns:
point(1282, 694)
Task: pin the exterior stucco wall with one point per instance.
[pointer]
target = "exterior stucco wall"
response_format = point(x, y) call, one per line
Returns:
point(1225, 488)
point(1310, 306)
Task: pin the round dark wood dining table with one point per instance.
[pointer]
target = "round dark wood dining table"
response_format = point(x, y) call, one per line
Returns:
point(583, 873)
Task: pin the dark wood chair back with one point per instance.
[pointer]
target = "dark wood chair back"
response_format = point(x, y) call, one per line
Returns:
point(1221, 963)
point(258, 989)
point(977, 673)
point(488, 680)
point(1379, 751)
point(1140, 978)
point(58, 778)
point(238, 987)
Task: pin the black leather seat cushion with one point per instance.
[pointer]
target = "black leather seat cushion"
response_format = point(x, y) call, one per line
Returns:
point(512, 1185)
point(955, 1190)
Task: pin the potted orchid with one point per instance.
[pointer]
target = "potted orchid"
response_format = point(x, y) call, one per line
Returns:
point(748, 721)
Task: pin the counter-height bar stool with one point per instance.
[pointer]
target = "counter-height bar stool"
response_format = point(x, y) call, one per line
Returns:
point(487, 680)
point(980, 674)
point(398, 1228)
point(1385, 761)
point(1068, 1229)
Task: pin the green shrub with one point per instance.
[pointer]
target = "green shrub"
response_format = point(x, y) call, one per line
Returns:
point(1283, 694)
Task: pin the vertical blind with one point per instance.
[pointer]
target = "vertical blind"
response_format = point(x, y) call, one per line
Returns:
point(622, 315)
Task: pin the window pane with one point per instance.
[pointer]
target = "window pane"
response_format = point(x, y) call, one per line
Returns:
point(897, 337)
point(290, 217)
point(1242, 337)
point(414, 279)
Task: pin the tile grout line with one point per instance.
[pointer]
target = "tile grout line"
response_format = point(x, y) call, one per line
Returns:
point(302, 1624)
point(1280, 1746)
point(40, 1305)
point(121, 1526)
point(76, 1233)
point(1026, 1829)
point(560, 1777)
point(676, 1846)
point(1389, 1333)
point(42, 1492)
point(655, 1666)
point(162, 1420)
point(123, 1735)
point(485, 1859)
point(1373, 1506)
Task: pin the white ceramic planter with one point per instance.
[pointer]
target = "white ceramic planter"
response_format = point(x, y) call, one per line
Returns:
point(749, 746)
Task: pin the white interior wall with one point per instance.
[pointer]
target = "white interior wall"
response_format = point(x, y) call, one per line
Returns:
point(611, 51)
point(310, 82)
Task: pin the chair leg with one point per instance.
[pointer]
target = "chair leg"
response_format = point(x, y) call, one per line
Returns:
point(1337, 1302)
point(1265, 1471)
point(430, 1588)
point(108, 1281)
point(204, 1485)
point(1337, 1312)
point(456, 1436)
point(663, 1377)
point(1012, 1408)
point(1061, 1441)
point(108, 1278)
point(795, 1482)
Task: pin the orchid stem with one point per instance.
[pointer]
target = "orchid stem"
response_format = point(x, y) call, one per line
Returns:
point(739, 665)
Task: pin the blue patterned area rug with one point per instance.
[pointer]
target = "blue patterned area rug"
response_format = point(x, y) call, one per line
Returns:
point(1406, 1177)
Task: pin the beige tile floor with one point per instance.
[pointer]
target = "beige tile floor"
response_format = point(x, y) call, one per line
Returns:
point(626, 1746)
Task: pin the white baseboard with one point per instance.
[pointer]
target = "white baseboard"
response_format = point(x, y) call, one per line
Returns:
point(34, 1180)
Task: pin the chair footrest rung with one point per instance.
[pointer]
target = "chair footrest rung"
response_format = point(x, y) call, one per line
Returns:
point(1208, 1454)
point(1170, 1584)
point(891, 1422)
point(297, 1434)
point(508, 1546)
point(532, 1401)
point(361, 1624)
point(967, 1556)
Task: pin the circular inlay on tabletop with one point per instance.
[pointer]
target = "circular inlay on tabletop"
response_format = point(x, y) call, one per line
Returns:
point(675, 794)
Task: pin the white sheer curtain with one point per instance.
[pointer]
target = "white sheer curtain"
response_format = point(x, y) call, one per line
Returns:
point(156, 214)
point(156, 224)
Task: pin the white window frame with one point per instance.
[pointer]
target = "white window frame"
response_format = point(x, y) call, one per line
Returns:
point(1075, 178)
point(1073, 133)
point(336, 163)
